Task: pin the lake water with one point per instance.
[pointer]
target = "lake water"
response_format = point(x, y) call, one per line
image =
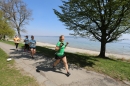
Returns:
point(120, 47)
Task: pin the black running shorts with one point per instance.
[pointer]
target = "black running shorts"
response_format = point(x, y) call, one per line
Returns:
point(59, 57)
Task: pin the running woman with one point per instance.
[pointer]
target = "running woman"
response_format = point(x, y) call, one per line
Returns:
point(59, 55)
point(26, 46)
point(32, 44)
point(16, 41)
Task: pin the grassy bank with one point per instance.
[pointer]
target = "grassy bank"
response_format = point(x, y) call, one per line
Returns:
point(117, 69)
point(10, 76)
point(12, 43)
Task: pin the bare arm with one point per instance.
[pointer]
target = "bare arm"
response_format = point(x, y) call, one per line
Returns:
point(18, 39)
point(57, 48)
point(29, 43)
point(66, 44)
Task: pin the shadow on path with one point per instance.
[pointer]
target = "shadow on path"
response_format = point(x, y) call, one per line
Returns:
point(44, 63)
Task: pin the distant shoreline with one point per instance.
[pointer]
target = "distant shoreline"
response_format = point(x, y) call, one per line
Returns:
point(75, 50)
point(78, 50)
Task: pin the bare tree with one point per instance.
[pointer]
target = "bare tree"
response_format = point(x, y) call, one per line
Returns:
point(17, 12)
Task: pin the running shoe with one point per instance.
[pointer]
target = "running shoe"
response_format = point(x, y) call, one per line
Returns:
point(54, 68)
point(37, 70)
point(68, 74)
point(32, 57)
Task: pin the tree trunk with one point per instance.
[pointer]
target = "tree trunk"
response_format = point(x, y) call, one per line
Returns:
point(4, 37)
point(19, 33)
point(103, 49)
point(0, 36)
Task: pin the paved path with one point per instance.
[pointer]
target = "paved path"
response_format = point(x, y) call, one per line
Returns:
point(50, 77)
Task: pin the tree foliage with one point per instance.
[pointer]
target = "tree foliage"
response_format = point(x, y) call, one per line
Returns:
point(17, 13)
point(5, 29)
point(104, 20)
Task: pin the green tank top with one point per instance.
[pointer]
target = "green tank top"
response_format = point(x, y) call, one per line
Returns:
point(60, 52)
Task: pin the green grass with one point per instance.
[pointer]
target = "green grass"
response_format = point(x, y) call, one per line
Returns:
point(12, 43)
point(117, 69)
point(10, 76)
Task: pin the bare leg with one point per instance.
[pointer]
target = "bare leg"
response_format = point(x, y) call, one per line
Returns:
point(31, 52)
point(34, 51)
point(65, 63)
point(56, 62)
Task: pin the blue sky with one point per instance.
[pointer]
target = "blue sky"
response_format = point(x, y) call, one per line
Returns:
point(45, 22)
